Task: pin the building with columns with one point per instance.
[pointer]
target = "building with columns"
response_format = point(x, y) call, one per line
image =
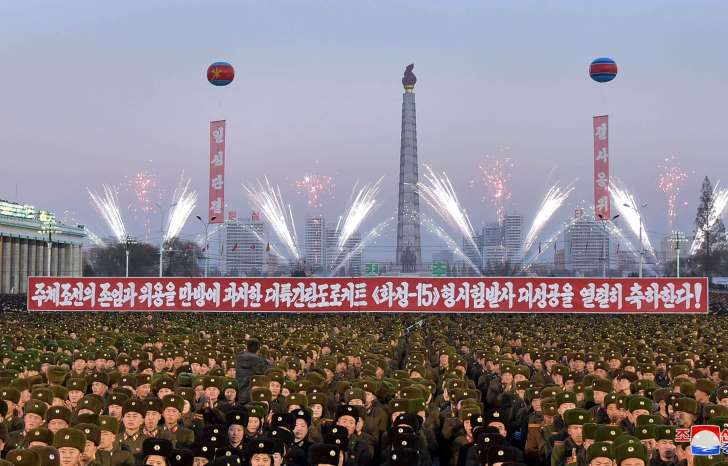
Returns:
point(25, 236)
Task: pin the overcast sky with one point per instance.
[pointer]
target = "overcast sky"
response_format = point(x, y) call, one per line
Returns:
point(93, 92)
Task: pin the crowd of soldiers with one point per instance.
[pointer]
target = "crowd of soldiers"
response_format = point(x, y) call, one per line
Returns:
point(94, 389)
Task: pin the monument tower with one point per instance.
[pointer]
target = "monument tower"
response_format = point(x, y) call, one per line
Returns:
point(409, 253)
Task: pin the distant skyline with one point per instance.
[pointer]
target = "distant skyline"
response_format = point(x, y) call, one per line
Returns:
point(93, 94)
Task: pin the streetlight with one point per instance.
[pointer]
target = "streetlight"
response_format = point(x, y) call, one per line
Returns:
point(642, 249)
point(163, 213)
point(207, 225)
point(48, 228)
point(606, 235)
point(129, 241)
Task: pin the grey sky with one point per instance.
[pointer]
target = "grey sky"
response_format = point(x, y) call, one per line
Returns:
point(93, 90)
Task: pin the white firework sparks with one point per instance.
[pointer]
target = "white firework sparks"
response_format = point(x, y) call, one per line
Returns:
point(554, 198)
point(108, 207)
point(439, 193)
point(550, 242)
point(373, 235)
point(720, 200)
point(184, 203)
point(268, 200)
point(93, 237)
point(629, 212)
point(451, 243)
point(361, 206)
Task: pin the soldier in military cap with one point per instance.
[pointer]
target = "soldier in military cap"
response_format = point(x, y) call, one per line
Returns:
point(10, 396)
point(93, 439)
point(70, 444)
point(600, 454)
point(569, 448)
point(22, 457)
point(323, 454)
point(57, 418)
point(630, 454)
point(156, 451)
point(257, 413)
point(665, 451)
point(236, 421)
point(260, 453)
point(152, 417)
point(34, 417)
point(172, 429)
point(360, 450)
point(131, 435)
point(685, 412)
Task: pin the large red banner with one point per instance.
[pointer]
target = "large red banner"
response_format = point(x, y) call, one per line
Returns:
point(376, 294)
point(601, 168)
point(217, 172)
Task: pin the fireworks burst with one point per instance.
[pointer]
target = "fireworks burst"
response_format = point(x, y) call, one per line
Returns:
point(439, 193)
point(495, 175)
point(373, 235)
point(360, 207)
point(554, 198)
point(184, 203)
point(268, 200)
point(315, 187)
point(108, 207)
point(669, 181)
point(451, 243)
point(94, 238)
point(720, 200)
point(629, 212)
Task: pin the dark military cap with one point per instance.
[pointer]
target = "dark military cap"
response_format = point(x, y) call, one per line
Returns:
point(588, 430)
point(335, 435)
point(705, 385)
point(43, 394)
point(565, 397)
point(502, 454)
point(258, 410)
point(664, 432)
point(630, 450)
point(639, 402)
point(181, 457)
point(645, 432)
point(348, 410)
point(92, 431)
point(117, 399)
point(156, 447)
point(35, 407)
point(600, 450)
point(49, 456)
point(236, 416)
point(59, 412)
point(39, 434)
point(577, 417)
point(154, 404)
point(100, 377)
point(404, 457)
point(607, 433)
point(257, 446)
point(323, 454)
point(204, 450)
point(303, 413)
point(24, 458)
point(134, 406)
point(56, 374)
point(92, 403)
point(173, 401)
point(260, 394)
point(109, 424)
point(72, 438)
point(720, 421)
point(298, 399)
point(285, 420)
point(10, 394)
point(687, 405)
point(76, 384)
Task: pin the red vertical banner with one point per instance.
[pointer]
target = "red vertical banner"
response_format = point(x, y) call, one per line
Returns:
point(601, 168)
point(216, 211)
